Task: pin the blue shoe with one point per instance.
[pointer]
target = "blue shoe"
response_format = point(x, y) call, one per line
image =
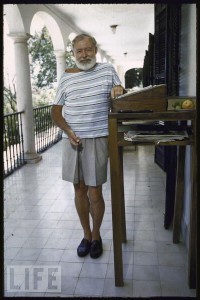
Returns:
point(96, 248)
point(84, 248)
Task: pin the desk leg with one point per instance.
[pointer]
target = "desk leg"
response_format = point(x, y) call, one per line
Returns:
point(178, 212)
point(123, 213)
point(116, 201)
point(178, 207)
point(192, 259)
point(171, 166)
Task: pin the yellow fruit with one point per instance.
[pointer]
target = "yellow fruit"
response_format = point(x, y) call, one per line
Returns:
point(187, 104)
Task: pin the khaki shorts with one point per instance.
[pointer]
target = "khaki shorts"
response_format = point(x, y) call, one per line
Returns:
point(87, 162)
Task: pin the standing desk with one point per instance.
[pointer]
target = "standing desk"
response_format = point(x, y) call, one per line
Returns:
point(116, 144)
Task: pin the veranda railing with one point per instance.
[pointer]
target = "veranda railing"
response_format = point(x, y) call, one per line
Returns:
point(46, 135)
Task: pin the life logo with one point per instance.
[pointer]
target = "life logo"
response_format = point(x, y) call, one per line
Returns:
point(34, 278)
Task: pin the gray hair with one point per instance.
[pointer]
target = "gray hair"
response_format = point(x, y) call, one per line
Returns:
point(83, 36)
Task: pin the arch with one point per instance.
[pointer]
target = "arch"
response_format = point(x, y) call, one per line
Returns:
point(72, 35)
point(53, 28)
point(70, 38)
point(14, 19)
point(21, 17)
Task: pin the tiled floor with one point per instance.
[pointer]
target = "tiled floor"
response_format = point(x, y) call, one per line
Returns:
point(42, 230)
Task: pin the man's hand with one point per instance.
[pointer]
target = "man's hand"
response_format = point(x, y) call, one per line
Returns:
point(74, 140)
point(117, 91)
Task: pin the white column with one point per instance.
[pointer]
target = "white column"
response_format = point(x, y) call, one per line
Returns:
point(120, 71)
point(99, 57)
point(101, 53)
point(24, 94)
point(60, 62)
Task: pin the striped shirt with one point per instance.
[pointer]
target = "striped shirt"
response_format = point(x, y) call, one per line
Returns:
point(85, 97)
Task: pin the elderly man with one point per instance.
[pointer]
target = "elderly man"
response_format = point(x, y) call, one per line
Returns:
point(81, 109)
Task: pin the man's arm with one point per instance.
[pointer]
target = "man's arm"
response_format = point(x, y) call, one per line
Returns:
point(56, 114)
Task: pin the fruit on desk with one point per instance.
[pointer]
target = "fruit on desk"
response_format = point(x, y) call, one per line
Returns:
point(187, 104)
point(177, 105)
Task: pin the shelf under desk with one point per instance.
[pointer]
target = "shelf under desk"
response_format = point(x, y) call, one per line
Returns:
point(116, 144)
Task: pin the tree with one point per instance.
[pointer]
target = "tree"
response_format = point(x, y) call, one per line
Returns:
point(10, 98)
point(43, 60)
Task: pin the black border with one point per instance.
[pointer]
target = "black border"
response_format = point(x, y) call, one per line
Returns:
point(197, 144)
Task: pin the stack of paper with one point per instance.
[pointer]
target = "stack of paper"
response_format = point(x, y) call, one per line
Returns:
point(141, 135)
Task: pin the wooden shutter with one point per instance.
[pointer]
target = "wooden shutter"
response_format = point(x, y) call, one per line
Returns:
point(166, 47)
point(148, 65)
point(160, 47)
point(166, 70)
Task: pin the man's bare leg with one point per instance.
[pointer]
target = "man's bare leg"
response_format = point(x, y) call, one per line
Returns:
point(83, 208)
point(97, 208)
point(89, 200)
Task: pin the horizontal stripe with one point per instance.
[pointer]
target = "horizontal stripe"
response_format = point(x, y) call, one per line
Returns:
point(86, 99)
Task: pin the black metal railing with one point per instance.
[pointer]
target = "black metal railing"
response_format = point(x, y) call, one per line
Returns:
point(46, 135)
point(13, 147)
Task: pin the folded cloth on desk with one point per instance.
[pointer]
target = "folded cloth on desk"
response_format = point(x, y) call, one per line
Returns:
point(154, 136)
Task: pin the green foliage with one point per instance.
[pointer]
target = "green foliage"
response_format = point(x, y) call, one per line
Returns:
point(69, 57)
point(9, 98)
point(43, 60)
point(43, 65)
point(11, 133)
point(43, 96)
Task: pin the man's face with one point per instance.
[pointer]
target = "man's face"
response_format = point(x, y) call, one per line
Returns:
point(85, 54)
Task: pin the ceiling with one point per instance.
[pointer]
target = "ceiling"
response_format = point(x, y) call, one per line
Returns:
point(135, 22)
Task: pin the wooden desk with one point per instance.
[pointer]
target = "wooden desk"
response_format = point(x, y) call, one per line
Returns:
point(116, 144)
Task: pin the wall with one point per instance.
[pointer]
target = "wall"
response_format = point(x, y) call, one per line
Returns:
point(187, 88)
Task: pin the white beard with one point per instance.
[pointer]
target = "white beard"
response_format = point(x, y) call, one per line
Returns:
point(86, 65)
